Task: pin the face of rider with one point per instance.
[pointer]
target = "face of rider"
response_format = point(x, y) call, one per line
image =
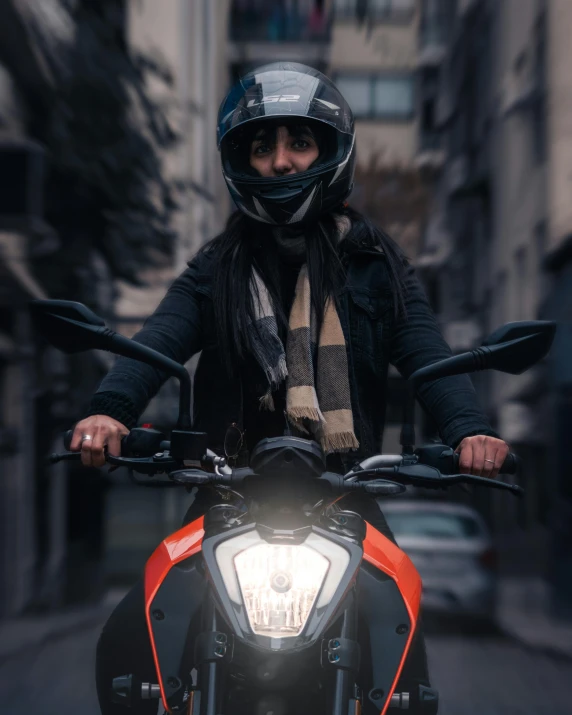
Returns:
point(283, 150)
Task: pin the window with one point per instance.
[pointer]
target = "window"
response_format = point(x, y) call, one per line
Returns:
point(357, 93)
point(374, 8)
point(432, 525)
point(374, 97)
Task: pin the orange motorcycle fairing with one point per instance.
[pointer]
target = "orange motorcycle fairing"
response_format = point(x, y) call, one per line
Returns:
point(183, 544)
point(379, 551)
point(384, 555)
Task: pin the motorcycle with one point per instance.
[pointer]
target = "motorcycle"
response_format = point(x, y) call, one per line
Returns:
point(278, 599)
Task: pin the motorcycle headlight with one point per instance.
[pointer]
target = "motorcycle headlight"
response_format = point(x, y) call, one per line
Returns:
point(280, 584)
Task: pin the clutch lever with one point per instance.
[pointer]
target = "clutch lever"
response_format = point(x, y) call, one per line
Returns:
point(63, 457)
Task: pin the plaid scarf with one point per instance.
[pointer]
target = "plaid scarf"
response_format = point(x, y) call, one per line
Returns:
point(317, 404)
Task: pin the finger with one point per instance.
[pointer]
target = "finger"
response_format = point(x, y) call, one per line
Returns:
point(499, 458)
point(75, 444)
point(478, 458)
point(97, 448)
point(491, 464)
point(86, 456)
point(114, 443)
point(466, 457)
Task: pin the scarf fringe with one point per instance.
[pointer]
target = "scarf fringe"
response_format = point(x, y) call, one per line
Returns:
point(314, 414)
point(277, 374)
point(267, 401)
point(338, 442)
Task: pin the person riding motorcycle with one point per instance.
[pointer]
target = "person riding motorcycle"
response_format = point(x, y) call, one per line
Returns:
point(298, 307)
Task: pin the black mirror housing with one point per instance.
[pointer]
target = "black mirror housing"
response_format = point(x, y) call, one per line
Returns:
point(72, 327)
point(513, 348)
point(69, 326)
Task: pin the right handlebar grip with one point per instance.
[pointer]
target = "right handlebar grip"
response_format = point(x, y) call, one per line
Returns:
point(510, 465)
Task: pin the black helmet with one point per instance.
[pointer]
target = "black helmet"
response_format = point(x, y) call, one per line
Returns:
point(285, 92)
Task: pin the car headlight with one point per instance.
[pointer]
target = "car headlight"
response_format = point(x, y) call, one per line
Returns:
point(280, 584)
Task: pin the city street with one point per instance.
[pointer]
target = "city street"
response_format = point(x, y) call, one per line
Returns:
point(475, 674)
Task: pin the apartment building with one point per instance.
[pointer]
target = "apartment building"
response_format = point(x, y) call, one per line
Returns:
point(500, 247)
point(373, 62)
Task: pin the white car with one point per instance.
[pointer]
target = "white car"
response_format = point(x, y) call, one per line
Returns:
point(451, 547)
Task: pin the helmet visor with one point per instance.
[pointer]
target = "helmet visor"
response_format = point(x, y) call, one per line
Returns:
point(284, 92)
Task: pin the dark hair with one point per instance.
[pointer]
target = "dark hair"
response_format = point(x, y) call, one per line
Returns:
point(244, 243)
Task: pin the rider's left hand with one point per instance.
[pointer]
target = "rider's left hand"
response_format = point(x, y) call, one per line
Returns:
point(482, 455)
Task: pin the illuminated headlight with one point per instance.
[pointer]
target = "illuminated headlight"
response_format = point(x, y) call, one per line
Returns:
point(280, 584)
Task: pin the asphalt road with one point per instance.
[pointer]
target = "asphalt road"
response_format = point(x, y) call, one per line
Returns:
point(475, 673)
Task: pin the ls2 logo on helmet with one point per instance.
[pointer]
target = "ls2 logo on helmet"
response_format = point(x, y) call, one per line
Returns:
point(274, 98)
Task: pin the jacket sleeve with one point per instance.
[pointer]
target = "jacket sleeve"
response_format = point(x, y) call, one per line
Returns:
point(416, 341)
point(174, 329)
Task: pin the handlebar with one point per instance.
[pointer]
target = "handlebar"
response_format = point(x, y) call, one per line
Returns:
point(432, 466)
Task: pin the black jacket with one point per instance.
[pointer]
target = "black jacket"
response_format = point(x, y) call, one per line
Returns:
point(184, 324)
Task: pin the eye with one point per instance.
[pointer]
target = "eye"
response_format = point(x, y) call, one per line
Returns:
point(303, 143)
point(261, 149)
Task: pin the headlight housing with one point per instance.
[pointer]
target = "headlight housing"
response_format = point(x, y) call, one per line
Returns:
point(279, 584)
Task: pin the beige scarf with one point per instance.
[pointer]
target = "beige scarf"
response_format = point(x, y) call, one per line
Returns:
point(317, 401)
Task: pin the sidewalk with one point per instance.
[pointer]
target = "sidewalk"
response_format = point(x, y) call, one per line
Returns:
point(18, 634)
point(524, 614)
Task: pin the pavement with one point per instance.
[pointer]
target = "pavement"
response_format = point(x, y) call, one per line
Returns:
point(19, 634)
point(522, 615)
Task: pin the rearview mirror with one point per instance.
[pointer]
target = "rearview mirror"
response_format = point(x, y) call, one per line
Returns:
point(69, 326)
point(512, 348)
point(72, 327)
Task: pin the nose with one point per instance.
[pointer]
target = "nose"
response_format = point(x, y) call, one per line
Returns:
point(282, 163)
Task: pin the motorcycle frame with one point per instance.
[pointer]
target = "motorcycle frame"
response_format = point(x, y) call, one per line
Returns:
point(384, 567)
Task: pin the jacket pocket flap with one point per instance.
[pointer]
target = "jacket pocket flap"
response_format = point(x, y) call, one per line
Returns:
point(375, 303)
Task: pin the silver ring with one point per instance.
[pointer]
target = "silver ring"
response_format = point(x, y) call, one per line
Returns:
point(86, 437)
point(492, 461)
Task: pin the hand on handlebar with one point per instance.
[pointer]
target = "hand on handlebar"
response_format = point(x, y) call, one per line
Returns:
point(103, 432)
point(482, 455)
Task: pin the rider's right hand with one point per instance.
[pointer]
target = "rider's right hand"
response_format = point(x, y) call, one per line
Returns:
point(104, 431)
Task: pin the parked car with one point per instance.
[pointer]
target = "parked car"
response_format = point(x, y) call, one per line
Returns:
point(452, 549)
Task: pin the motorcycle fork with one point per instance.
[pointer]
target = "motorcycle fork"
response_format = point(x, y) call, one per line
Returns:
point(346, 700)
point(210, 650)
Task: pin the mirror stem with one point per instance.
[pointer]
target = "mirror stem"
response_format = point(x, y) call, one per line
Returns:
point(407, 436)
point(121, 345)
point(184, 420)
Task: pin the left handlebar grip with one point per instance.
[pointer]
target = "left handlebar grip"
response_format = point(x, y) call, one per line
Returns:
point(139, 442)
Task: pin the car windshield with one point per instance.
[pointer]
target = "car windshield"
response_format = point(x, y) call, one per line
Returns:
point(432, 524)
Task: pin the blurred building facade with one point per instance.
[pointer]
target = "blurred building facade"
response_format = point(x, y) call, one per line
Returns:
point(497, 247)
point(38, 385)
point(190, 39)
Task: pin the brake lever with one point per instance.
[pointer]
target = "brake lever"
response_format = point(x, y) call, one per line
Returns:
point(491, 483)
point(423, 475)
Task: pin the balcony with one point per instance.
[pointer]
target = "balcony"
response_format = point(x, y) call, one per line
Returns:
point(270, 30)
